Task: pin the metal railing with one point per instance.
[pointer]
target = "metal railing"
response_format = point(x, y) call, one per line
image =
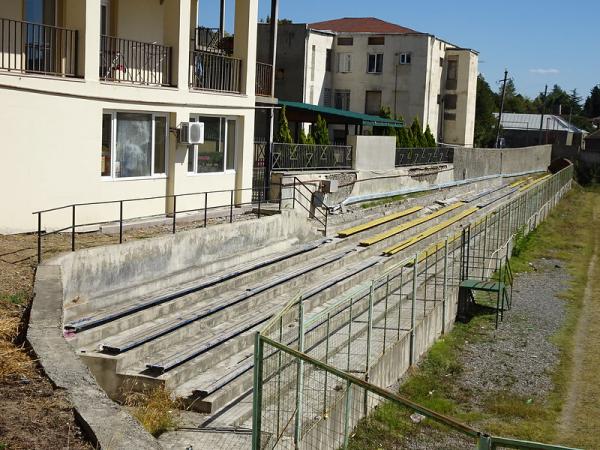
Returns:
point(35, 48)
point(165, 207)
point(311, 157)
point(124, 60)
point(213, 72)
point(304, 197)
point(210, 40)
point(423, 156)
point(316, 366)
point(264, 79)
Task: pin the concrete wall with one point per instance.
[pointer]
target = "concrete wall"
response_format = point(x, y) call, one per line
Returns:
point(92, 272)
point(373, 152)
point(51, 126)
point(479, 162)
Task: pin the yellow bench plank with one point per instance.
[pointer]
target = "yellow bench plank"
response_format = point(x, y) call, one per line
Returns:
point(519, 182)
point(413, 223)
point(533, 183)
point(377, 222)
point(429, 232)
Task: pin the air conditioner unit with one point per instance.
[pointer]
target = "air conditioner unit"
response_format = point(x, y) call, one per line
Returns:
point(191, 133)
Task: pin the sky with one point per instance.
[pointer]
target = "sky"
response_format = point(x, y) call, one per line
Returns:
point(538, 42)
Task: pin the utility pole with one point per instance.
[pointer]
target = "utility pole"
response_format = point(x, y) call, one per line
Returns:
point(501, 108)
point(542, 118)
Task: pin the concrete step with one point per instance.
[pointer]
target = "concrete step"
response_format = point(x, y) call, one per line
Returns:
point(117, 304)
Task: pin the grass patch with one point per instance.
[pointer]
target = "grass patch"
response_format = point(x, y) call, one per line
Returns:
point(19, 299)
point(566, 235)
point(154, 409)
point(394, 199)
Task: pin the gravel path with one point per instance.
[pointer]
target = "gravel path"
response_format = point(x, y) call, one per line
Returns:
point(515, 359)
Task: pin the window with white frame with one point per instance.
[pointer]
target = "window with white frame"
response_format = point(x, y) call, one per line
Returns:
point(134, 144)
point(405, 58)
point(375, 63)
point(344, 61)
point(218, 153)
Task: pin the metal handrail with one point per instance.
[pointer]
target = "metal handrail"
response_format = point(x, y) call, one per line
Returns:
point(287, 156)
point(423, 156)
point(73, 226)
point(264, 79)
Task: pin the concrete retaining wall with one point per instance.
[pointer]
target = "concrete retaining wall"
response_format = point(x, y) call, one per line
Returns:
point(96, 271)
point(480, 162)
point(373, 152)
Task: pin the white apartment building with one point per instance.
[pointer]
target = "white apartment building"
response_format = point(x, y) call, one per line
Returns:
point(93, 94)
point(363, 64)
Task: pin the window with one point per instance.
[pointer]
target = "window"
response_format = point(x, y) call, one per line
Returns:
point(441, 62)
point(328, 60)
point(373, 102)
point(218, 153)
point(327, 97)
point(450, 116)
point(377, 40)
point(345, 41)
point(105, 17)
point(452, 74)
point(342, 99)
point(134, 144)
point(405, 58)
point(40, 11)
point(450, 101)
point(344, 62)
point(312, 95)
point(375, 63)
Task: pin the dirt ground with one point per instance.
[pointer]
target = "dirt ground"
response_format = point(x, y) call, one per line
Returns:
point(33, 414)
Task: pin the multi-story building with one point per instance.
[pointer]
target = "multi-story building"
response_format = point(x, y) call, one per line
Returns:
point(364, 64)
point(93, 93)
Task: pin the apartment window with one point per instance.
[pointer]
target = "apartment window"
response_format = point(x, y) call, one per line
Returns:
point(313, 58)
point(375, 63)
point(373, 102)
point(328, 60)
point(105, 17)
point(40, 11)
point(345, 41)
point(344, 62)
point(342, 99)
point(450, 101)
point(218, 153)
point(450, 116)
point(327, 97)
point(452, 74)
point(377, 40)
point(134, 144)
point(441, 62)
point(405, 58)
point(312, 95)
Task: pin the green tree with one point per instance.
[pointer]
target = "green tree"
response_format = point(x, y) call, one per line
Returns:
point(284, 135)
point(429, 139)
point(321, 132)
point(591, 108)
point(513, 101)
point(385, 113)
point(306, 139)
point(485, 122)
point(417, 133)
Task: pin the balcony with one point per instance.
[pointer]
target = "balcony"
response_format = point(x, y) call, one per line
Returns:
point(264, 79)
point(27, 47)
point(135, 62)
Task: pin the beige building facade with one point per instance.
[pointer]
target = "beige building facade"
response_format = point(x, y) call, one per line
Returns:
point(92, 96)
point(365, 64)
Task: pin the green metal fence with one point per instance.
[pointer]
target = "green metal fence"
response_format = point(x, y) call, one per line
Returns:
point(319, 368)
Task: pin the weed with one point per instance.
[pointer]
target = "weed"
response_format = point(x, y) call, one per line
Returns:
point(154, 409)
point(20, 298)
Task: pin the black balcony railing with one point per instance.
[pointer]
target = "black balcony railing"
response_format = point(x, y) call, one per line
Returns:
point(423, 156)
point(210, 40)
point(35, 48)
point(214, 72)
point(310, 157)
point(124, 60)
point(264, 79)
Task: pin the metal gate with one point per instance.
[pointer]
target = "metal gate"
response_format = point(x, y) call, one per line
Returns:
point(259, 181)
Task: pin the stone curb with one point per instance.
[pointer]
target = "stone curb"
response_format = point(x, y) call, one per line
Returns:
point(105, 422)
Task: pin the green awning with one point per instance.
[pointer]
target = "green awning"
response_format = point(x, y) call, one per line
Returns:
point(305, 112)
